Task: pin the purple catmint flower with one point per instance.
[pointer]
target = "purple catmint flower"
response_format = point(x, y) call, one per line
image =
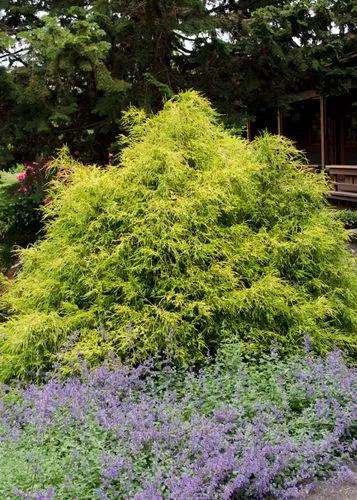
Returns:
point(274, 349)
point(149, 493)
point(221, 433)
point(103, 332)
point(307, 343)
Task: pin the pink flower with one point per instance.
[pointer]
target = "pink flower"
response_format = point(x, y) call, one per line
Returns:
point(21, 176)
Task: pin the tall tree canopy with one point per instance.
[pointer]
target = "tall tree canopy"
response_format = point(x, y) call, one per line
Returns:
point(69, 68)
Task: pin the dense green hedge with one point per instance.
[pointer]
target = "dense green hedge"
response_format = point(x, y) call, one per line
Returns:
point(196, 235)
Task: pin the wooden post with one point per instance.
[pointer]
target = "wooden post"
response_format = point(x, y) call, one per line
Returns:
point(280, 122)
point(249, 130)
point(323, 130)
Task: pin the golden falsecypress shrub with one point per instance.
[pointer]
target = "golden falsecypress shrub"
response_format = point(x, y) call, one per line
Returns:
point(196, 236)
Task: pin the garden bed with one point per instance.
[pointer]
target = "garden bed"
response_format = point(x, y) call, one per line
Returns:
point(233, 430)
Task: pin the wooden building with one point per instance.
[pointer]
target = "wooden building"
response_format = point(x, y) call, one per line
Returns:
point(325, 127)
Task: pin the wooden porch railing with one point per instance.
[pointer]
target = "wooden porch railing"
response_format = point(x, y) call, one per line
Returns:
point(344, 182)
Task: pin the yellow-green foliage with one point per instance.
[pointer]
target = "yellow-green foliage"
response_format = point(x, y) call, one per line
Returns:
point(197, 235)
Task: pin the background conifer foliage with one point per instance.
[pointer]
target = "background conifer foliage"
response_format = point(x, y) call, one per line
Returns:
point(69, 68)
point(195, 237)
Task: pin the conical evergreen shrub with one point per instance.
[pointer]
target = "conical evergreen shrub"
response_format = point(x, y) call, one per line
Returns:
point(195, 237)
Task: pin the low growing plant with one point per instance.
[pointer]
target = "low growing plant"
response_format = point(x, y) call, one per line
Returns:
point(232, 431)
point(195, 237)
point(348, 217)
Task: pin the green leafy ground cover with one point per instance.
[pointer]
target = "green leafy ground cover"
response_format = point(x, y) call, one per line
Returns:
point(194, 236)
point(234, 430)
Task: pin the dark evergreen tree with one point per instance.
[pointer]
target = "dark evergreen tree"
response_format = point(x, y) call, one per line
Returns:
point(69, 68)
point(263, 51)
point(72, 67)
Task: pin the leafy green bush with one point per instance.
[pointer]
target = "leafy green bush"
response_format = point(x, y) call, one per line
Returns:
point(348, 217)
point(197, 235)
point(20, 219)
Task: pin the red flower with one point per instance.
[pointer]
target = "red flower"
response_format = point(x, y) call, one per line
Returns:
point(21, 176)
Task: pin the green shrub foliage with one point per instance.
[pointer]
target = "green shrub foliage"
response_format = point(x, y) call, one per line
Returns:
point(20, 219)
point(196, 236)
point(348, 217)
